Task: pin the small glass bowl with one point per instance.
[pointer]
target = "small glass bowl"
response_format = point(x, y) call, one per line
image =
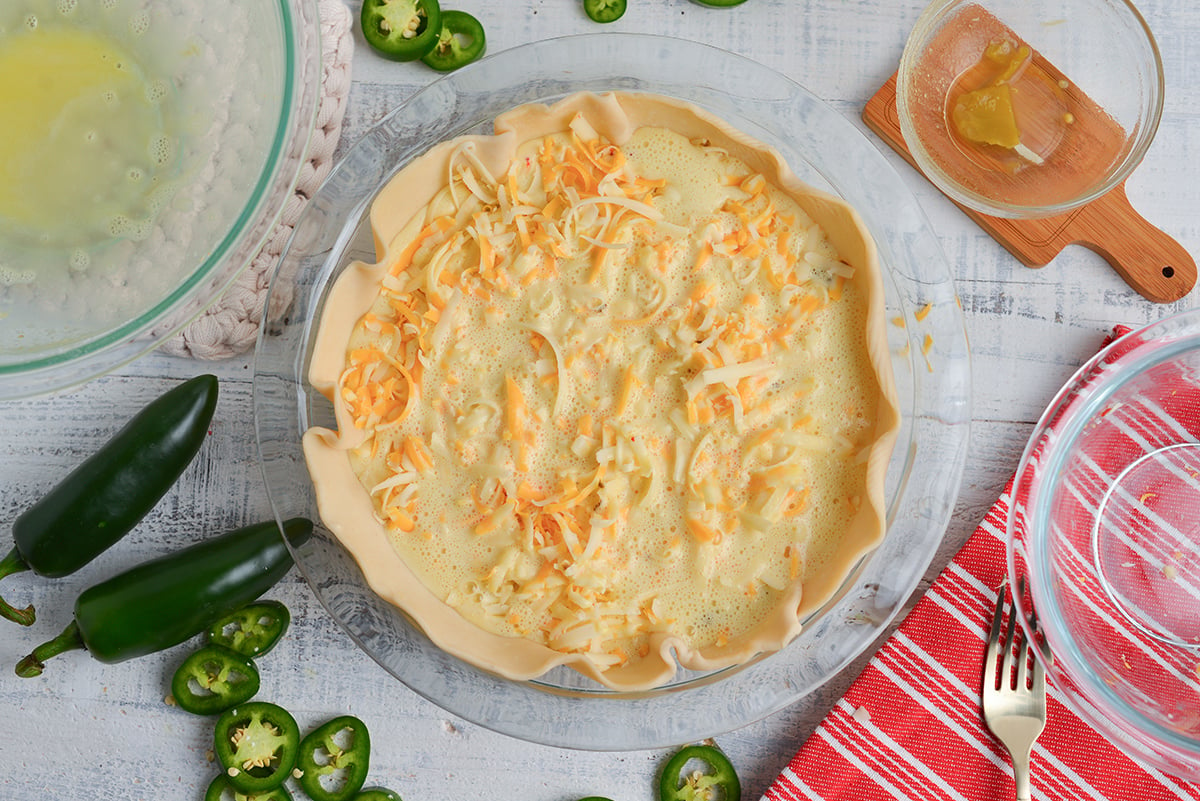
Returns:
point(926, 337)
point(1086, 106)
point(1104, 527)
point(238, 83)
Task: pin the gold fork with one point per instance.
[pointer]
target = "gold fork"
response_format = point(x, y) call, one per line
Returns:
point(1014, 692)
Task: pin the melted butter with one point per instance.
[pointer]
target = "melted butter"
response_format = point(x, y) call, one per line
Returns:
point(1006, 110)
point(985, 115)
point(83, 139)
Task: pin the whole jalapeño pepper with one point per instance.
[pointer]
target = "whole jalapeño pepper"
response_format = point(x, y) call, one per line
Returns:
point(105, 496)
point(165, 601)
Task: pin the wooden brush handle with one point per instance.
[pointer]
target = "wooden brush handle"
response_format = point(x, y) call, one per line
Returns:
point(1150, 261)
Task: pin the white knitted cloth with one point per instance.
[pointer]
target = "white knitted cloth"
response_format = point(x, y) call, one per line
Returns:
point(230, 325)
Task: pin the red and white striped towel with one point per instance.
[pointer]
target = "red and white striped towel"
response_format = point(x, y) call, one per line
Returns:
point(911, 726)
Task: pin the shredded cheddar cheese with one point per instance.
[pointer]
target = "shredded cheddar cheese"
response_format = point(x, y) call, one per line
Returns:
point(613, 394)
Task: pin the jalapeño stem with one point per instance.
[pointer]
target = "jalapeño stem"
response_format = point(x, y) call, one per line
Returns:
point(33, 664)
point(13, 563)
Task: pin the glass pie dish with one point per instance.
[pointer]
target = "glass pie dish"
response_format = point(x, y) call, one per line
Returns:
point(925, 336)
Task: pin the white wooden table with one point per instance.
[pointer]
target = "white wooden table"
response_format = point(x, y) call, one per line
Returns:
point(91, 731)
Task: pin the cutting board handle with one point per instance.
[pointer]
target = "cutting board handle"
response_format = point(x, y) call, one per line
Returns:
point(1150, 261)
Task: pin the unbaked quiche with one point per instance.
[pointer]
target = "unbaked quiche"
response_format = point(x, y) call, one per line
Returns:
point(616, 394)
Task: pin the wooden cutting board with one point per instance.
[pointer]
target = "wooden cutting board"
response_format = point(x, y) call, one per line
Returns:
point(1150, 261)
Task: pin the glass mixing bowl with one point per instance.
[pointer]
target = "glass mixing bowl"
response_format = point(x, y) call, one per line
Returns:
point(926, 337)
point(1104, 528)
point(225, 95)
point(1086, 106)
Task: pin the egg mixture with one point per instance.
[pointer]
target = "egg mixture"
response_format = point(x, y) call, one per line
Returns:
point(83, 162)
point(616, 393)
point(86, 146)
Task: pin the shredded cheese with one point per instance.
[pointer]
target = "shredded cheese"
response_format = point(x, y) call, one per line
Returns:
point(601, 381)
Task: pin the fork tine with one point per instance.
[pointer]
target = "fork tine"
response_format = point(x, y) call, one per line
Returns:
point(1021, 680)
point(1039, 668)
point(1008, 667)
point(1039, 677)
point(1023, 664)
point(1043, 655)
point(1031, 672)
point(991, 667)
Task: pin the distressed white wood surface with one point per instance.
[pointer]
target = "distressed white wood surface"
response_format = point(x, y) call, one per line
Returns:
point(88, 731)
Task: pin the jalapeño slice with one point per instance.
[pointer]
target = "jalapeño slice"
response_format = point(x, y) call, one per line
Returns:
point(605, 10)
point(214, 679)
point(402, 30)
point(256, 743)
point(460, 42)
point(679, 783)
point(334, 758)
point(252, 630)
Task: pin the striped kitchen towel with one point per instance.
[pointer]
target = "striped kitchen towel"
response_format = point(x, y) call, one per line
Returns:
point(911, 726)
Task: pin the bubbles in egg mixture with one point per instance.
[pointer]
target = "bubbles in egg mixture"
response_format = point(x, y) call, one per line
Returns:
point(80, 260)
point(11, 276)
point(92, 150)
point(91, 144)
point(161, 150)
point(156, 91)
point(139, 23)
point(134, 181)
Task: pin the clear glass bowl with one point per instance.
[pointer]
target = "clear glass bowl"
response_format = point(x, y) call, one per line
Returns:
point(237, 84)
point(1104, 528)
point(562, 708)
point(1097, 49)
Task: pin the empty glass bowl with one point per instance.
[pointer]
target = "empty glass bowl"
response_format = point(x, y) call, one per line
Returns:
point(1029, 108)
point(1105, 527)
